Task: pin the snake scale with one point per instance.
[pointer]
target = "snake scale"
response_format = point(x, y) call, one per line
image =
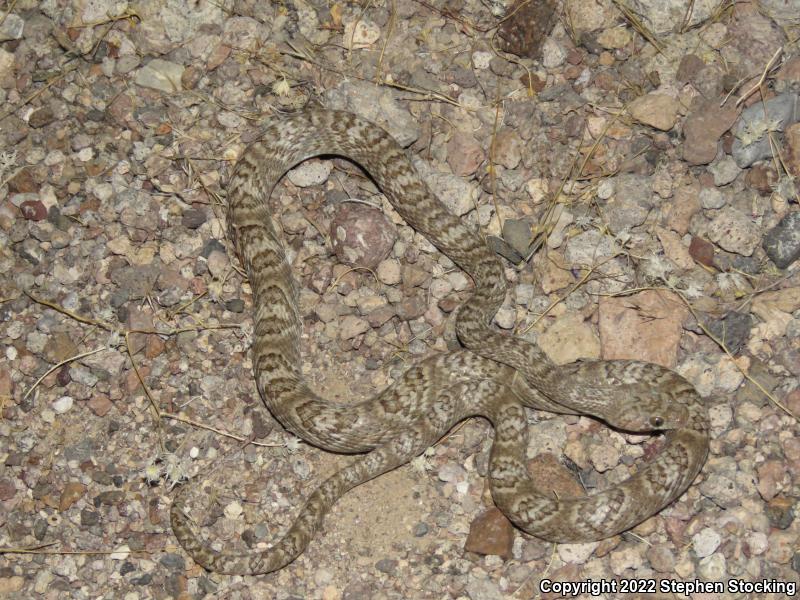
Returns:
point(494, 376)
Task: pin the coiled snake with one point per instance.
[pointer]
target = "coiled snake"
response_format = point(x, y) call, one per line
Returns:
point(495, 376)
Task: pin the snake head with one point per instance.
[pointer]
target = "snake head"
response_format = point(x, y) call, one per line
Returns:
point(648, 416)
point(636, 396)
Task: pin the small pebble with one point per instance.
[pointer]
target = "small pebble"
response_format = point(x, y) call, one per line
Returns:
point(705, 542)
point(63, 404)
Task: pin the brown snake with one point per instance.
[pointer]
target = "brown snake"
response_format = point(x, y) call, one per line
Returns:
point(495, 376)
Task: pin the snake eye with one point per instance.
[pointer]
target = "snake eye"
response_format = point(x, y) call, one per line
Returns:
point(656, 421)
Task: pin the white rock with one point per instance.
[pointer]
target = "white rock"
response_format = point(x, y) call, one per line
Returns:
point(12, 27)
point(160, 75)
point(604, 457)
point(553, 54)
point(481, 59)
point(63, 404)
point(576, 553)
point(360, 34)
point(757, 543)
point(121, 553)
point(627, 558)
point(352, 326)
point(458, 280)
point(506, 317)
point(389, 272)
point(705, 542)
point(311, 172)
point(712, 198)
point(712, 568)
point(233, 510)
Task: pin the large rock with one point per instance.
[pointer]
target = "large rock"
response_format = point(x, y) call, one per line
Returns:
point(666, 16)
point(526, 26)
point(757, 122)
point(656, 110)
point(645, 326)
point(703, 128)
point(733, 231)
point(361, 235)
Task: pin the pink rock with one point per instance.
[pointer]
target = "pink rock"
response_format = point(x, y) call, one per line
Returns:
point(361, 235)
point(464, 154)
point(645, 326)
point(703, 128)
point(772, 479)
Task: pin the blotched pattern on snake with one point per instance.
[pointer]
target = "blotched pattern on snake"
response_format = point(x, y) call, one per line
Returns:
point(495, 376)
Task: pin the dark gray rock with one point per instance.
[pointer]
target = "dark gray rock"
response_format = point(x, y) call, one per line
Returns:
point(782, 242)
point(173, 562)
point(631, 203)
point(733, 330)
point(236, 305)
point(518, 234)
point(193, 218)
point(751, 131)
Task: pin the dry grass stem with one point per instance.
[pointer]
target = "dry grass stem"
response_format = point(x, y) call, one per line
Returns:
point(559, 300)
point(637, 24)
point(222, 432)
point(8, 11)
point(61, 364)
point(761, 79)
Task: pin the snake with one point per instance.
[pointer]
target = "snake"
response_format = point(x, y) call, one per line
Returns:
point(492, 375)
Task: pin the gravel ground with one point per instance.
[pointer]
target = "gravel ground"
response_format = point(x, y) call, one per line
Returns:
point(637, 175)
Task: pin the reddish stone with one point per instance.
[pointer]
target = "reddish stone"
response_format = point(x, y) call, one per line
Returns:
point(448, 304)
point(703, 128)
point(23, 182)
point(464, 154)
point(218, 56)
point(572, 72)
point(773, 478)
point(568, 573)
point(792, 402)
point(491, 533)
point(607, 545)
point(574, 56)
point(361, 235)
point(552, 477)
point(7, 489)
point(533, 81)
point(605, 81)
point(684, 206)
point(643, 326)
point(675, 529)
point(33, 210)
point(132, 383)
point(6, 384)
point(790, 71)
point(71, 493)
point(100, 405)
point(702, 251)
point(761, 178)
point(95, 167)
